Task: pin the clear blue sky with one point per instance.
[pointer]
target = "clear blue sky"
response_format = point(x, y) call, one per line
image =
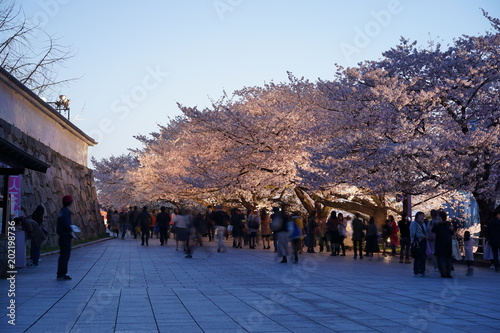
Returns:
point(137, 59)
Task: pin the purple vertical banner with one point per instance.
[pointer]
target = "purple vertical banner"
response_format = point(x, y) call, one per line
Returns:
point(15, 195)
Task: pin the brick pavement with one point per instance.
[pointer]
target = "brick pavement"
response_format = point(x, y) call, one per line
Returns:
point(120, 286)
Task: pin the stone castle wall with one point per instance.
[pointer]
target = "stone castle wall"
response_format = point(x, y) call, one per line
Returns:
point(63, 177)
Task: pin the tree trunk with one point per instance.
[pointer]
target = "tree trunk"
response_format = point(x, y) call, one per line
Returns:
point(310, 202)
point(305, 200)
point(322, 211)
point(380, 210)
point(380, 216)
point(486, 208)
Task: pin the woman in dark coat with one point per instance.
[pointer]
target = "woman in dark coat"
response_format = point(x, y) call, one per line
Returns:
point(36, 233)
point(332, 227)
point(371, 246)
point(37, 236)
point(237, 223)
point(443, 251)
point(357, 236)
point(312, 223)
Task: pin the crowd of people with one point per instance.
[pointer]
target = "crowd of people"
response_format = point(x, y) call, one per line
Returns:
point(432, 239)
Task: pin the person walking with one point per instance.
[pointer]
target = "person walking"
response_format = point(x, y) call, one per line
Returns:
point(312, 224)
point(65, 233)
point(386, 236)
point(332, 225)
point(173, 228)
point(123, 221)
point(182, 228)
point(295, 229)
point(493, 236)
point(394, 235)
point(210, 224)
point(342, 233)
point(144, 222)
point(132, 219)
point(265, 228)
point(282, 235)
point(276, 223)
point(357, 236)
point(418, 235)
point(109, 220)
point(153, 227)
point(198, 227)
point(253, 224)
point(163, 221)
point(115, 223)
point(323, 237)
point(404, 233)
point(432, 237)
point(372, 235)
point(443, 247)
point(390, 235)
point(469, 255)
point(221, 219)
point(245, 234)
point(237, 223)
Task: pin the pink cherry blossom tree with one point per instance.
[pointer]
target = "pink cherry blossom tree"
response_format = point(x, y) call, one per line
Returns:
point(254, 139)
point(113, 181)
point(417, 121)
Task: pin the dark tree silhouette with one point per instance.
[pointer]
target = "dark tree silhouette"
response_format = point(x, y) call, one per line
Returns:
point(20, 55)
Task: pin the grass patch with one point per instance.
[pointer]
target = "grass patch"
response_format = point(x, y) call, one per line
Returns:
point(47, 248)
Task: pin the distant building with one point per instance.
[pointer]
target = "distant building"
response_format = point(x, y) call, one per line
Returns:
point(43, 156)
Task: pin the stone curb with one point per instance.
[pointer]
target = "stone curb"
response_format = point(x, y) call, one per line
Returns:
point(76, 246)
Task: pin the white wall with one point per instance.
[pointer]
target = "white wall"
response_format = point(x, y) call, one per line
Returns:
point(39, 122)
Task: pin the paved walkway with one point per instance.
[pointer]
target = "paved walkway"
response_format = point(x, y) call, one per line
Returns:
point(120, 286)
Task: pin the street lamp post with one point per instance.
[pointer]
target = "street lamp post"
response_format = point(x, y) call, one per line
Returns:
point(62, 105)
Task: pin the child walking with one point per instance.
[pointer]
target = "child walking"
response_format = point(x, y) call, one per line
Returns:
point(469, 256)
